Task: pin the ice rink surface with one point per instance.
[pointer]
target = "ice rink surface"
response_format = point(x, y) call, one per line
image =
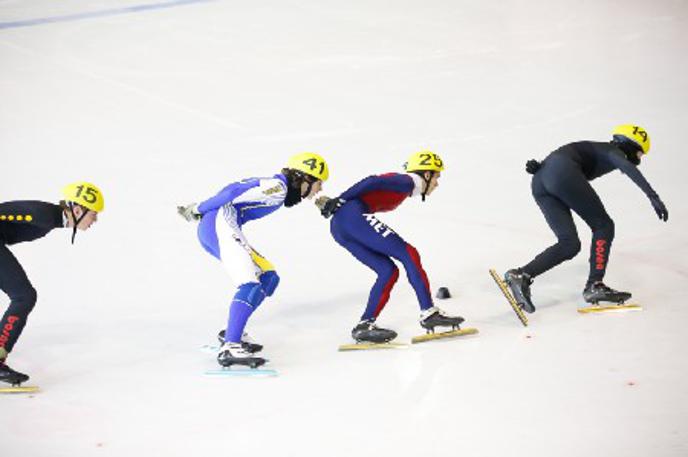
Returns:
point(165, 103)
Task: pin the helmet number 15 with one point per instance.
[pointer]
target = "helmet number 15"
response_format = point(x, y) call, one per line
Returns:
point(437, 161)
point(90, 196)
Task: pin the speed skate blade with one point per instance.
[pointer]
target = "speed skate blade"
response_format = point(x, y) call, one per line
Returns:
point(19, 390)
point(510, 298)
point(241, 373)
point(443, 335)
point(371, 346)
point(598, 309)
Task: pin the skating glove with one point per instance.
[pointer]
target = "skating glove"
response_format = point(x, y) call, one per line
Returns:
point(189, 212)
point(660, 209)
point(331, 206)
point(532, 166)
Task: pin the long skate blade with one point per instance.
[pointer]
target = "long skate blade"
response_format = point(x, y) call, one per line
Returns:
point(598, 309)
point(19, 390)
point(510, 298)
point(210, 348)
point(241, 373)
point(371, 346)
point(442, 335)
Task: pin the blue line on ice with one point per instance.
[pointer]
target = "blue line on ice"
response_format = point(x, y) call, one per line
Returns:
point(96, 14)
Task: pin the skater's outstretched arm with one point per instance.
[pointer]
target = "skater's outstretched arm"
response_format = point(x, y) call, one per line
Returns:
point(393, 182)
point(620, 161)
point(44, 215)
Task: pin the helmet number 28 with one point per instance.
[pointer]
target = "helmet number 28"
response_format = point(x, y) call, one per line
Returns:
point(313, 164)
point(437, 161)
point(90, 196)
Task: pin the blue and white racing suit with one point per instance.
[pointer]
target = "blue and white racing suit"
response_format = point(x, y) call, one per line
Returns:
point(219, 231)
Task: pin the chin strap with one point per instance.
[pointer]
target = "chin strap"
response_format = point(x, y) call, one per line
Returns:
point(427, 183)
point(76, 221)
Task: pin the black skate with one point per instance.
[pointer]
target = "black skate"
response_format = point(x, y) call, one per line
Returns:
point(435, 317)
point(249, 346)
point(368, 332)
point(597, 292)
point(234, 354)
point(10, 376)
point(519, 284)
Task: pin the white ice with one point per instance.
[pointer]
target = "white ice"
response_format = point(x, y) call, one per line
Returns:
point(166, 106)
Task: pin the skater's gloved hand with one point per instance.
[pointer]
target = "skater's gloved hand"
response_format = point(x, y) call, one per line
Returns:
point(331, 206)
point(660, 208)
point(532, 166)
point(189, 212)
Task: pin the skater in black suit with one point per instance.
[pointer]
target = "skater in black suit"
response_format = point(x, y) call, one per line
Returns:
point(561, 185)
point(22, 221)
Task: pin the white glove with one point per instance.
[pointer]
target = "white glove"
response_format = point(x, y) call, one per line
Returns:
point(189, 212)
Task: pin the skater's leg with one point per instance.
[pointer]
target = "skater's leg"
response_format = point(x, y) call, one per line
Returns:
point(243, 264)
point(387, 272)
point(582, 198)
point(378, 237)
point(559, 218)
point(15, 283)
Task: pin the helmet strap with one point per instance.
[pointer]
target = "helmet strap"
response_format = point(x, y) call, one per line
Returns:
point(427, 182)
point(76, 220)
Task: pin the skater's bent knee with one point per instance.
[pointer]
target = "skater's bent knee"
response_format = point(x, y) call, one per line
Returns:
point(27, 297)
point(570, 247)
point(269, 281)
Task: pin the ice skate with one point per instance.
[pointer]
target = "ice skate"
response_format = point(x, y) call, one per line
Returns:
point(435, 317)
point(368, 332)
point(519, 284)
point(11, 376)
point(246, 342)
point(599, 292)
point(234, 354)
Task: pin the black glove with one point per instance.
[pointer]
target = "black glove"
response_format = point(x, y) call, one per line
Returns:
point(532, 166)
point(660, 209)
point(331, 207)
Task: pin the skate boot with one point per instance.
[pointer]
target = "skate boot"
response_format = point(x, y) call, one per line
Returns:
point(234, 354)
point(598, 291)
point(10, 376)
point(246, 342)
point(435, 317)
point(368, 332)
point(519, 284)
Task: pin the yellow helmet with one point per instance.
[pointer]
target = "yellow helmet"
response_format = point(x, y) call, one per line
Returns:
point(424, 161)
point(311, 164)
point(636, 134)
point(85, 194)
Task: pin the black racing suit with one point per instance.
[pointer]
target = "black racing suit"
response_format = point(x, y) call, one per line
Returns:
point(561, 185)
point(21, 221)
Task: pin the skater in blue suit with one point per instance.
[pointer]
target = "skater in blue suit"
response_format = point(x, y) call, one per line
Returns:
point(356, 228)
point(220, 233)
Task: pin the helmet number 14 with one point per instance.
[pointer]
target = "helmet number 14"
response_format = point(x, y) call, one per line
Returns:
point(638, 131)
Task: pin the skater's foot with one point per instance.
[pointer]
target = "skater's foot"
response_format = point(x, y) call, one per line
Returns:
point(598, 291)
point(246, 342)
point(519, 283)
point(435, 317)
point(10, 376)
point(234, 354)
point(367, 331)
